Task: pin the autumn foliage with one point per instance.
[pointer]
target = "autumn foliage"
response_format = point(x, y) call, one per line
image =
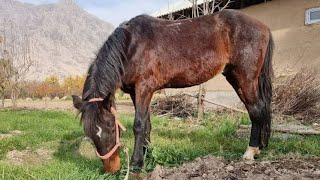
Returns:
point(53, 87)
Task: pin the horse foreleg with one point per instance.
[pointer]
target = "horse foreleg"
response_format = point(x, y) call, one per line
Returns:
point(141, 127)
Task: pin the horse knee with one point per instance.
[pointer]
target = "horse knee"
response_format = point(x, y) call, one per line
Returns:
point(138, 127)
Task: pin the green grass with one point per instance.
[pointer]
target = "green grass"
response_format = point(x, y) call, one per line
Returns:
point(173, 143)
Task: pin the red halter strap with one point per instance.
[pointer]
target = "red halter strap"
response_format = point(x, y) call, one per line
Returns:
point(117, 125)
point(95, 99)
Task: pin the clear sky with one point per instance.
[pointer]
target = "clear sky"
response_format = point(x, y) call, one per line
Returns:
point(114, 11)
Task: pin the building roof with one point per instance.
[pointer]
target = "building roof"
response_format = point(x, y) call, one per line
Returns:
point(180, 5)
point(177, 5)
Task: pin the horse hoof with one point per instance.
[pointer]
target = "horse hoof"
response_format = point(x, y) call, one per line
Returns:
point(136, 167)
point(251, 153)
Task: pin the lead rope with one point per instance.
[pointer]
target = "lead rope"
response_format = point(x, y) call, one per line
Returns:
point(118, 124)
point(126, 150)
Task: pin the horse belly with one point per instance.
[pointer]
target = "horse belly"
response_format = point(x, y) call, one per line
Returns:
point(195, 74)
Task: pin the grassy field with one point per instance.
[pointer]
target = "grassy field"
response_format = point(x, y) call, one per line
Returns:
point(173, 142)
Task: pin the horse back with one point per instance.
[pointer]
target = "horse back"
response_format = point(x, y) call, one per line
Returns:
point(188, 52)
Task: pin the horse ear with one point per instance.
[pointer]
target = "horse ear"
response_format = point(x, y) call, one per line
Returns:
point(107, 102)
point(77, 102)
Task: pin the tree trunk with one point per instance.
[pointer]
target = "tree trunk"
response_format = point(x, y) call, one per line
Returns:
point(14, 98)
point(2, 102)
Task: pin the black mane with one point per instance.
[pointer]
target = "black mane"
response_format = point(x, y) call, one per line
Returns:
point(104, 74)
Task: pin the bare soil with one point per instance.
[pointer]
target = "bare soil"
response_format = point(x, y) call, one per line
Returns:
point(217, 168)
point(122, 106)
point(228, 98)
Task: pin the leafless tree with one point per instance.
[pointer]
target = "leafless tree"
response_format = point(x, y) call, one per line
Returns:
point(5, 69)
point(16, 61)
point(2, 82)
point(206, 7)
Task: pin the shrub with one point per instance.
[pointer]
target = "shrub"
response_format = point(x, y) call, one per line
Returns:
point(179, 105)
point(297, 94)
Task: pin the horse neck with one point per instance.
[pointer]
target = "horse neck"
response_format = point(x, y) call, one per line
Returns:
point(106, 72)
point(96, 94)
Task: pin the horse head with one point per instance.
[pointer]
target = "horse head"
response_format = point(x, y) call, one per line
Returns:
point(101, 125)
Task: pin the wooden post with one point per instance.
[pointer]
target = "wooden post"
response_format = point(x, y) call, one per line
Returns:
point(163, 91)
point(200, 103)
point(218, 104)
point(2, 102)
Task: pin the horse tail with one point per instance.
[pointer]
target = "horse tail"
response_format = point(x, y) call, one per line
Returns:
point(265, 92)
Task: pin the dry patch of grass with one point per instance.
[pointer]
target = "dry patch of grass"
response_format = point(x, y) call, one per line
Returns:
point(10, 134)
point(29, 157)
point(87, 149)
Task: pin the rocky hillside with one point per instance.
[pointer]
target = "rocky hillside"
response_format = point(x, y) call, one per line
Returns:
point(64, 36)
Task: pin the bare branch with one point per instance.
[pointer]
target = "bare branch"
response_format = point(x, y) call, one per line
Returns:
point(225, 6)
point(15, 59)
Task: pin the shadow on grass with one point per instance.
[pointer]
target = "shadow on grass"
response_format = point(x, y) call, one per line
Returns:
point(68, 150)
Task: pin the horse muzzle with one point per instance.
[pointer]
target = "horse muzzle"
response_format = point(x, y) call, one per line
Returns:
point(112, 164)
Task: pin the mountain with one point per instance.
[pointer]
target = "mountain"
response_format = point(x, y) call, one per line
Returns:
point(64, 37)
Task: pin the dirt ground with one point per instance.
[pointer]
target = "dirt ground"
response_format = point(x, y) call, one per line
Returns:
point(123, 106)
point(217, 168)
point(228, 98)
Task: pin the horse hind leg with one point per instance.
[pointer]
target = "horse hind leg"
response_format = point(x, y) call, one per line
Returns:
point(259, 121)
point(253, 86)
point(248, 91)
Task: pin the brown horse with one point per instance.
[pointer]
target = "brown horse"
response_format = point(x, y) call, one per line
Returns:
point(146, 54)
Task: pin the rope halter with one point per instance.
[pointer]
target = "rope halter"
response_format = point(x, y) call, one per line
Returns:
point(117, 125)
